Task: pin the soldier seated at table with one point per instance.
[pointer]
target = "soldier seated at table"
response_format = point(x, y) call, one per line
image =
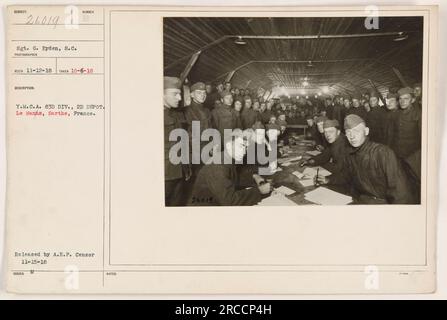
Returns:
point(371, 169)
point(257, 155)
point(332, 158)
point(217, 184)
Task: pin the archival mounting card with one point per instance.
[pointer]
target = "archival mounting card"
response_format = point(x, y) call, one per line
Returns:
point(86, 150)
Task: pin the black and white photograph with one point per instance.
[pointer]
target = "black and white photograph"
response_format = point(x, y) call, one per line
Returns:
point(285, 111)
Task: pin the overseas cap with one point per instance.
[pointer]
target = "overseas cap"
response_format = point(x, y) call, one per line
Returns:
point(392, 95)
point(406, 90)
point(225, 93)
point(374, 94)
point(198, 86)
point(331, 124)
point(171, 83)
point(352, 121)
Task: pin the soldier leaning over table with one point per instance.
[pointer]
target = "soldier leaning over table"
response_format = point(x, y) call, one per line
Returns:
point(218, 184)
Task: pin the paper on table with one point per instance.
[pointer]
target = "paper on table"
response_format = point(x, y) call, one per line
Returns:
point(324, 172)
point(298, 174)
point(307, 182)
point(287, 159)
point(286, 164)
point(277, 199)
point(313, 153)
point(325, 196)
point(312, 172)
point(284, 190)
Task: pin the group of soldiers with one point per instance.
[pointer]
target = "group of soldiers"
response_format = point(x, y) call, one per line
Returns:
point(372, 146)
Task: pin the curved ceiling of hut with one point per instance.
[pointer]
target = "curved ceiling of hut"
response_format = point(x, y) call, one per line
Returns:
point(337, 55)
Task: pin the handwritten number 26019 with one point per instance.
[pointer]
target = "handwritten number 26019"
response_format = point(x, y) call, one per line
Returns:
point(42, 20)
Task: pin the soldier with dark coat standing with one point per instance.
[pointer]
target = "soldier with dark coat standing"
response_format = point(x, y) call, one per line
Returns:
point(223, 116)
point(175, 174)
point(197, 114)
point(347, 104)
point(407, 143)
point(408, 140)
point(337, 111)
point(418, 95)
point(357, 108)
point(237, 110)
point(391, 118)
point(375, 119)
point(210, 97)
point(371, 169)
point(248, 115)
point(329, 108)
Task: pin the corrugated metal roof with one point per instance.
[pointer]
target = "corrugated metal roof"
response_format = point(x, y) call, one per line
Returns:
point(346, 64)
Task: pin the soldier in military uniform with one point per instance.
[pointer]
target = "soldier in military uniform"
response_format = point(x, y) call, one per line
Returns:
point(337, 110)
point(333, 156)
point(391, 118)
point(237, 110)
point(357, 108)
point(418, 94)
point(407, 143)
point(175, 174)
point(197, 114)
point(248, 115)
point(223, 116)
point(375, 119)
point(210, 97)
point(320, 141)
point(218, 184)
point(408, 140)
point(371, 169)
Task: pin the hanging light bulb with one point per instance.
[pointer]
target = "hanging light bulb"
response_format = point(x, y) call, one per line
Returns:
point(401, 37)
point(240, 41)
